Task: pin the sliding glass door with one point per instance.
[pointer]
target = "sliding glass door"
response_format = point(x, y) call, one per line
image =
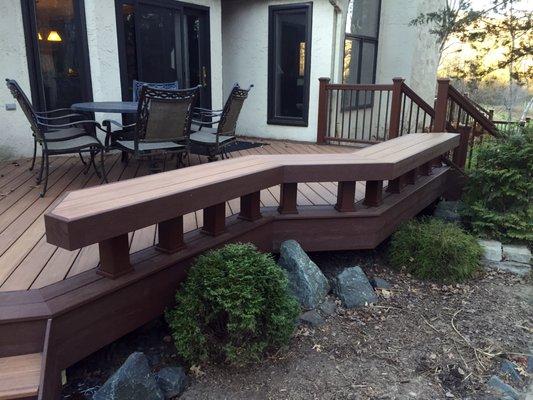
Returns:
point(58, 61)
point(164, 41)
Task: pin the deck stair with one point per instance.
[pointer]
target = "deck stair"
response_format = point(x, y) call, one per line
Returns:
point(19, 376)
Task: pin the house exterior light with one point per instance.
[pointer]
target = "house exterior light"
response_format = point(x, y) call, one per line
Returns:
point(53, 36)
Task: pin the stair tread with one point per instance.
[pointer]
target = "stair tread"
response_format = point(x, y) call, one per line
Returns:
point(19, 376)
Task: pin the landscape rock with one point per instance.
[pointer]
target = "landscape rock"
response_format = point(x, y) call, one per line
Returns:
point(492, 250)
point(378, 283)
point(502, 387)
point(510, 266)
point(515, 253)
point(132, 381)
point(312, 318)
point(172, 381)
point(328, 307)
point(448, 211)
point(306, 281)
point(509, 369)
point(353, 288)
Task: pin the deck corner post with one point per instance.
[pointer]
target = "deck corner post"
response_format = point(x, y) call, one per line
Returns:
point(373, 193)
point(251, 206)
point(441, 105)
point(170, 235)
point(114, 257)
point(288, 198)
point(345, 196)
point(460, 152)
point(215, 219)
point(396, 107)
point(322, 110)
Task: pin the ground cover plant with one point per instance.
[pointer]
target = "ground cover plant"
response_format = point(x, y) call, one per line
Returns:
point(432, 249)
point(498, 195)
point(234, 307)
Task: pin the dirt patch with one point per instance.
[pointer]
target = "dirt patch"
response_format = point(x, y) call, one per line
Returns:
point(421, 340)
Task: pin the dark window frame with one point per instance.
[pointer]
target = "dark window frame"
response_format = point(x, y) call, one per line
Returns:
point(361, 39)
point(29, 24)
point(272, 119)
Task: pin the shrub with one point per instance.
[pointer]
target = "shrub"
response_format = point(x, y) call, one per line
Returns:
point(233, 307)
point(498, 194)
point(436, 250)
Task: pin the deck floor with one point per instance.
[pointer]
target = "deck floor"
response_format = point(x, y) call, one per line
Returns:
point(27, 261)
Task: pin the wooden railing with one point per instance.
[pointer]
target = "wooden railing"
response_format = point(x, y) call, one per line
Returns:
point(370, 113)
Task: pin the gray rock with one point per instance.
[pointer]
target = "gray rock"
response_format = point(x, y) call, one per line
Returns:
point(328, 307)
point(172, 381)
point(353, 288)
point(492, 249)
point(378, 283)
point(510, 266)
point(509, 369)
point(529, 367)
point(132, 381)
point(515, 253)
point(502, 387)
point(306, 281)
point(312, 318)
point(448, 211)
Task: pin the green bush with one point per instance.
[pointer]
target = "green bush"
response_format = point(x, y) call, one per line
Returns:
point(234, 307)
point(498, 194)
point(436, 250)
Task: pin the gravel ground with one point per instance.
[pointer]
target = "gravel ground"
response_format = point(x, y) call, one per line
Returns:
point(421, 340)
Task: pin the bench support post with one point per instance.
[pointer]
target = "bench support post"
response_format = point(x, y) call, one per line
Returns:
point(425, 169)
point(114, 257)
point(396, 185)
point(251, 206)
point(345, 196)
point(170, 234)
point(288, 196)
point(410, 177)
point(373, 193)
point(215, 219)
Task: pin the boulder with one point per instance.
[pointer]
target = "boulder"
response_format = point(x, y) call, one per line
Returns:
point(448, 211)
point(515, 253)
point(353, 288)
point(327, 307)
point(312, 318)
point(306, 281)
point(502, 387)
point(172, 381)
point(509, 369)
point(132, 381)
point(378, 283)
point(492, 250)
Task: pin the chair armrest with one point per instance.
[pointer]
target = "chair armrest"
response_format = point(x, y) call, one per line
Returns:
point(109, 122)
point(60, 117)
point(70, 124)
point(55, 111)
point(206, 110)
point(204, 123)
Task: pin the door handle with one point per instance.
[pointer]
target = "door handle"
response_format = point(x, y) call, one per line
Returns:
point(204, 76)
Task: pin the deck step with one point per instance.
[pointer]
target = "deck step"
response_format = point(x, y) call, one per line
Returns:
point(19, 376)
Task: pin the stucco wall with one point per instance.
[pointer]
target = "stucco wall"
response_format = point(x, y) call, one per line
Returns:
point(245, 60)
point(15, 136)
point(15, 133)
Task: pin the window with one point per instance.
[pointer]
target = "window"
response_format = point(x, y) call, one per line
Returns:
point(361, 44)
point(289, 56)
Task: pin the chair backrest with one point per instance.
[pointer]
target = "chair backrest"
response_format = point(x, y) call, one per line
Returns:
point(164, 115)
point(137, 86)
point(232, 109)
point(25, 105)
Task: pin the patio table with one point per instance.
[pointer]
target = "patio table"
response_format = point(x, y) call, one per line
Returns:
point(119, 107)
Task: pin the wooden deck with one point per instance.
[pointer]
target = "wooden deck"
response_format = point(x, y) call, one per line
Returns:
point(27, 261)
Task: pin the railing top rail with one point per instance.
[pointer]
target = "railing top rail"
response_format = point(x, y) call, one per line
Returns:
point(362, 86)
point(88, 216)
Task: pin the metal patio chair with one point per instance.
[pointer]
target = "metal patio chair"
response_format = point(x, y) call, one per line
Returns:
point(58, 138)
point(163, 123)
point(137, 86)
point(51, 117)
point(214, 141)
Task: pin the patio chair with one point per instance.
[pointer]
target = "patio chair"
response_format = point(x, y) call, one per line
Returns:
point(52, 117)
point(163, 123)
point(214, 141)
point(137, 86)
point(59, 138)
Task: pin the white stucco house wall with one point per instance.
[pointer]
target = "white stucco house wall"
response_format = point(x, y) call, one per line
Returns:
point(238, 51)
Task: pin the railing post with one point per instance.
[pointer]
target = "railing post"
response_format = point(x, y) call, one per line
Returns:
point(373, 193)
point(288, 198)
point(441, 105)
point(322, 123)
point(396, 107)
point(215, 219)
point(251, 206)
point(345, 196)
point(114, 257)
point(170, 235)
point(460, 153)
